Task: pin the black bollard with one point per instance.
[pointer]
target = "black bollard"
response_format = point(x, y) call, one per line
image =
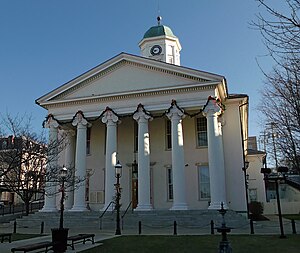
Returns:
point(42, 227)
point(15, 227)
point(294, 227)
point(140, 227)
point(251, 227)
point(212, 229)
point(175, 228)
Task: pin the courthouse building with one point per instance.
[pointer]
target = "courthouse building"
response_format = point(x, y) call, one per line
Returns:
point(178, 133)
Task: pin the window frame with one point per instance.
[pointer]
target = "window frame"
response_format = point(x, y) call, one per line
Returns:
point(205, 183)
point(198, 131)
point(88, 140)
point(169, 179)
point(168, 134)
point(135, 136)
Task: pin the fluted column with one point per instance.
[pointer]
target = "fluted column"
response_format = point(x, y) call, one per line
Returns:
point(69, 163)
point(215, 154)
point(179, 195)
point(80, 162)
point(50, 187)
point(142, 118)
point(111, 120)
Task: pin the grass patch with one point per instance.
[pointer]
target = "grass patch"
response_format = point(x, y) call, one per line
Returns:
point(292, 216)
point(203, 244)
point(17, 237)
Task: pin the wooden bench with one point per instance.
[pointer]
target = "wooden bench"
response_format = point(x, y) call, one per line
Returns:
point(5, 236)
point(47, 245)
point(81, 237)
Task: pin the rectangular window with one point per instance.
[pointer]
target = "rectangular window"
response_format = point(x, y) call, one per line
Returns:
point(136, 130)
point(201, 131)
point(253, 194)
point(204, 184)
point(170, 183)
point(88, 141)
point(168, 135)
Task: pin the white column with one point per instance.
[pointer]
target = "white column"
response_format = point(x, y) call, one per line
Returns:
point(143, 160)
point(69, 163)
point(50, 187)
point(215, 155)
point(80, 163)
point(179, 197)
point(111, 120)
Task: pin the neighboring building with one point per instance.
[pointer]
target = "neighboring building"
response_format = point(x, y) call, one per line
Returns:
point(264, 191)
point(18, 169)
point(178, 133)
point(255, 179)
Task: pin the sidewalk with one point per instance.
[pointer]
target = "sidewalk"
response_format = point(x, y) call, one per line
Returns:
point(99, 236)
point(260, 227)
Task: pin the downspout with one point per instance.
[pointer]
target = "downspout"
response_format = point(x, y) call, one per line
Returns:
point(244, 157)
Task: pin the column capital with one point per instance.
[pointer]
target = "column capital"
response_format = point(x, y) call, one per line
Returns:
point(141, 114)
point(50, 122)
point(212, 107)
point(175, 113)
point(109, 117)
point(79, 119)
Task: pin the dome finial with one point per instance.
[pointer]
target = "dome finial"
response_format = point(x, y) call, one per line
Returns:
point(159, 18)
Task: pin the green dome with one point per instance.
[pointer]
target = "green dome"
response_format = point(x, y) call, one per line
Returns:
point(159, 30)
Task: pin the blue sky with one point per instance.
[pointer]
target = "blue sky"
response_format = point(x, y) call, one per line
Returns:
point(47, 43)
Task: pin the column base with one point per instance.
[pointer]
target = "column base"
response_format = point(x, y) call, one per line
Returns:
point(144, 207)
point(217, 205)
point(179, 206)
point(78, 209)
point(48, 209)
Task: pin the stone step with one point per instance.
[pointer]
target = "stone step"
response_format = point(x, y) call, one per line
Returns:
point(91, 219)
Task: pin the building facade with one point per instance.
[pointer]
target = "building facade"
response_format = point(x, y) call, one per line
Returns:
point(21, 170)
point(177, 132)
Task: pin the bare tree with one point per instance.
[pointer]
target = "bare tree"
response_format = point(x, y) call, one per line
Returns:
point(24, 156)
point(280, 102)
point(280, 28)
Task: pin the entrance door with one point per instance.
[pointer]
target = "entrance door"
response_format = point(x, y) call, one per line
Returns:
point(134, 185)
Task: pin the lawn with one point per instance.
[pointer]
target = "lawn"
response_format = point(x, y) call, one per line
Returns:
point(203, 244)
point(292, 216)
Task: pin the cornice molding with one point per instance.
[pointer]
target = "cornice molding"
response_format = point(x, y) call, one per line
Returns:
point(91, 100)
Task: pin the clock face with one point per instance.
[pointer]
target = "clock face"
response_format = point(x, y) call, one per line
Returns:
point(156, 50)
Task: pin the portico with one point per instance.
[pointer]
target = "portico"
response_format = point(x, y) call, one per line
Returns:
point(170, 119)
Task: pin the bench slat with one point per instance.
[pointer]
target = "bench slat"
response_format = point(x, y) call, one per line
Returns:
point(34, 246)
point(79, 237)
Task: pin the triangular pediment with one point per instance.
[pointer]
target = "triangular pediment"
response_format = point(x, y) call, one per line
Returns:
point(127, 74)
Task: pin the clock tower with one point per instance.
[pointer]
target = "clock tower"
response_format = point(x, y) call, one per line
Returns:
point(159, 43)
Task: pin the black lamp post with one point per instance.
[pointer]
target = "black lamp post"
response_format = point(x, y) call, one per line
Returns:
point(60, 235)
point(276, 178)
point(246, 166)
point(63, 175)
point(118, 174)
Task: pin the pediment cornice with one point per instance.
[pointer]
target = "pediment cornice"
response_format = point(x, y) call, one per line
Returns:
point(131, 95)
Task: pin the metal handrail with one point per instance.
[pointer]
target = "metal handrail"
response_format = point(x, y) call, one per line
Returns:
point(100, 217)
point(122, 217)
